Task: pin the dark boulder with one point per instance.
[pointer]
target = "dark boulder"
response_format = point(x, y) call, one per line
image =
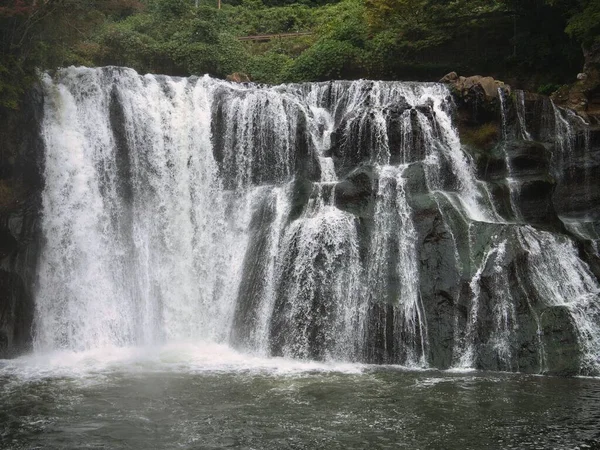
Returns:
point(528, 158)
point(355, 193)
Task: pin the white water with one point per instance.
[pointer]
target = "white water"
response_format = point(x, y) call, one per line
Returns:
point(322, 292)
point(394, 238)
point(92, 366)
point(151, 269)
point(562, 279)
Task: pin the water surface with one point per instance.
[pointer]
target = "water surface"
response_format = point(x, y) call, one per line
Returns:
point(187, 397)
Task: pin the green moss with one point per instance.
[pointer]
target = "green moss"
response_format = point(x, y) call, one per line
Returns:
point(482, 137)
point(548, 88)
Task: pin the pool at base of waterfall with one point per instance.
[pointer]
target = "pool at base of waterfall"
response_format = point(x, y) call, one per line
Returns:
point(190, 396)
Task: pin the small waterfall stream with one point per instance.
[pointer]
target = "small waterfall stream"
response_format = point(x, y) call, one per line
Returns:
point(331, 221)
point(393, 267)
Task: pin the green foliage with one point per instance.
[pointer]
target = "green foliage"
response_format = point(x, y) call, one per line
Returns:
point(172, 36)
point(121, 45)
point(327, 59)
point(584, 25)
point(10, 89)
point(269, 67)
point(253, 18)
point(46, 34)
point(390, 39)
point(548, 88)
point(169, 9)
point(339, 52)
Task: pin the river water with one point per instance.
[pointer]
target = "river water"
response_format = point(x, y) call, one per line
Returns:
point(188, 396)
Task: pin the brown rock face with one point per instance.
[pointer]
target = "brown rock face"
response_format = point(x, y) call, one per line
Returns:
point(583, 96)
point(238, 77)
point(466, 85)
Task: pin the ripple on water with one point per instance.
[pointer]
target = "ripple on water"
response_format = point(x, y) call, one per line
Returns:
point(210, 396)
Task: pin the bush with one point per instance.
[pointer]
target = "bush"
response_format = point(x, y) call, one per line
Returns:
point(327, 59)
point(548, 88)
point(268, 67)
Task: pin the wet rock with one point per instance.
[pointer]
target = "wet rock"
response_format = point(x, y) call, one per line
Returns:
point(501, 197)
point(561, 347)
point(577, 194)
point(355, 192)
point(534, 200)
point(238, 77)
point(380, 346)
point(440, 287)
point(21, 171)
point(528, 158)
point(306, 158)
point(301, 192)
point(16, 314)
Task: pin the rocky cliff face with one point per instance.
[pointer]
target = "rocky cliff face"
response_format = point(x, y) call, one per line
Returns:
point(20, 204)
point(495, 278)
point(381, 222)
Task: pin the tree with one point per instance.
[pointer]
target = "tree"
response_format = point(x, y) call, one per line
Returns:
point(41, 34)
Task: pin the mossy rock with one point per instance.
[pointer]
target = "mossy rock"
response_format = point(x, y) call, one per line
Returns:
point(482, 137)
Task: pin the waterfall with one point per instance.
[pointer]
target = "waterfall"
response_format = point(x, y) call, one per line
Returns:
point(141, 242)
point(329, 221)
point(320, 306)
point(504, 323)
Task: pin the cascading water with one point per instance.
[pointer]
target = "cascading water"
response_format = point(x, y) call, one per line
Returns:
point(563, 280)
point(393, 275)
point(319, 308)
point(141, 242)
point(338, 220)
point(513, 185)
point(520, 107)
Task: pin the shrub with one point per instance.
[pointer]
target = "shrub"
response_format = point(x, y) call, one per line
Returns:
point(268, 67)
point(548, 88)
point(327, 59)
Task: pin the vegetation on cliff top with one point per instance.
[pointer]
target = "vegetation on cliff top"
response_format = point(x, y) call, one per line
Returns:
point(522, 41)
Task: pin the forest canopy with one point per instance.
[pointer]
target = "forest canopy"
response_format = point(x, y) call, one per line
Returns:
point(532, 43)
